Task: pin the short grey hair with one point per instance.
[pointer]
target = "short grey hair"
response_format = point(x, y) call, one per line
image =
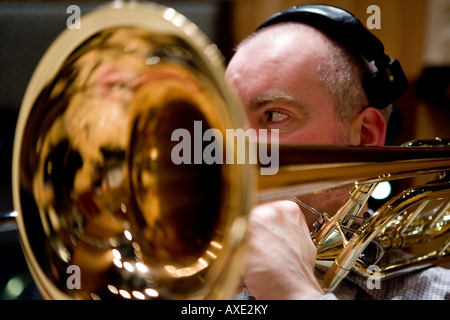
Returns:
point(342, 76)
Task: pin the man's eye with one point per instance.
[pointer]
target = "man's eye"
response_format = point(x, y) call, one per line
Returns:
point(275, 116)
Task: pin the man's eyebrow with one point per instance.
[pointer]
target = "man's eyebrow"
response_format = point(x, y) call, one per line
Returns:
point(265, 99)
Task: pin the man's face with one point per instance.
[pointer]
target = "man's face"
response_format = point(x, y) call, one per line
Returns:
point(276, 79)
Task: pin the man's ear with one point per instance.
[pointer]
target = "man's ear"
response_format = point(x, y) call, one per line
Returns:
point(369, 128)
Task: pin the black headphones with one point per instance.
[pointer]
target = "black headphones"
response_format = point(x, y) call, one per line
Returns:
point(383, 86)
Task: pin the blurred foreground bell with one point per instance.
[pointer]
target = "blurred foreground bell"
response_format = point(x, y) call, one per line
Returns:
point(94, 183)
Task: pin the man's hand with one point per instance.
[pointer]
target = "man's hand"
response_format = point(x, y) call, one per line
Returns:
point(281, 255)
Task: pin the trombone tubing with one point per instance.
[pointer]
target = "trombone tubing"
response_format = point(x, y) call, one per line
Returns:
point(305, 169)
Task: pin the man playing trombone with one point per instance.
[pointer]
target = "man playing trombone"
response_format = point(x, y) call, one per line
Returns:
point(292, 75)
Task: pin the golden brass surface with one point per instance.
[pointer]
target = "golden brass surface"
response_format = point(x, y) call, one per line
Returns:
point(94, 184)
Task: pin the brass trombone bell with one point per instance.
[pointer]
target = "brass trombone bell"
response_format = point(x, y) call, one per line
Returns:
point(93, 183)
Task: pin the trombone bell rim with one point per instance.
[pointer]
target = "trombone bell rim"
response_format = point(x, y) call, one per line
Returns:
point(148, 16)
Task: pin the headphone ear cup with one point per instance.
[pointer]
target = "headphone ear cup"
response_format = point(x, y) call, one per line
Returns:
point(386, 85)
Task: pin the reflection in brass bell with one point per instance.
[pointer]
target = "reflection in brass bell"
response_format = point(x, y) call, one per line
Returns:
point(94, 182)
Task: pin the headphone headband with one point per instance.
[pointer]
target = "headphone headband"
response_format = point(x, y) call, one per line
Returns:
point(383, 86)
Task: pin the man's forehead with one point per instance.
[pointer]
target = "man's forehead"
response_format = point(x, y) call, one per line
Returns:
point(287, 33)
